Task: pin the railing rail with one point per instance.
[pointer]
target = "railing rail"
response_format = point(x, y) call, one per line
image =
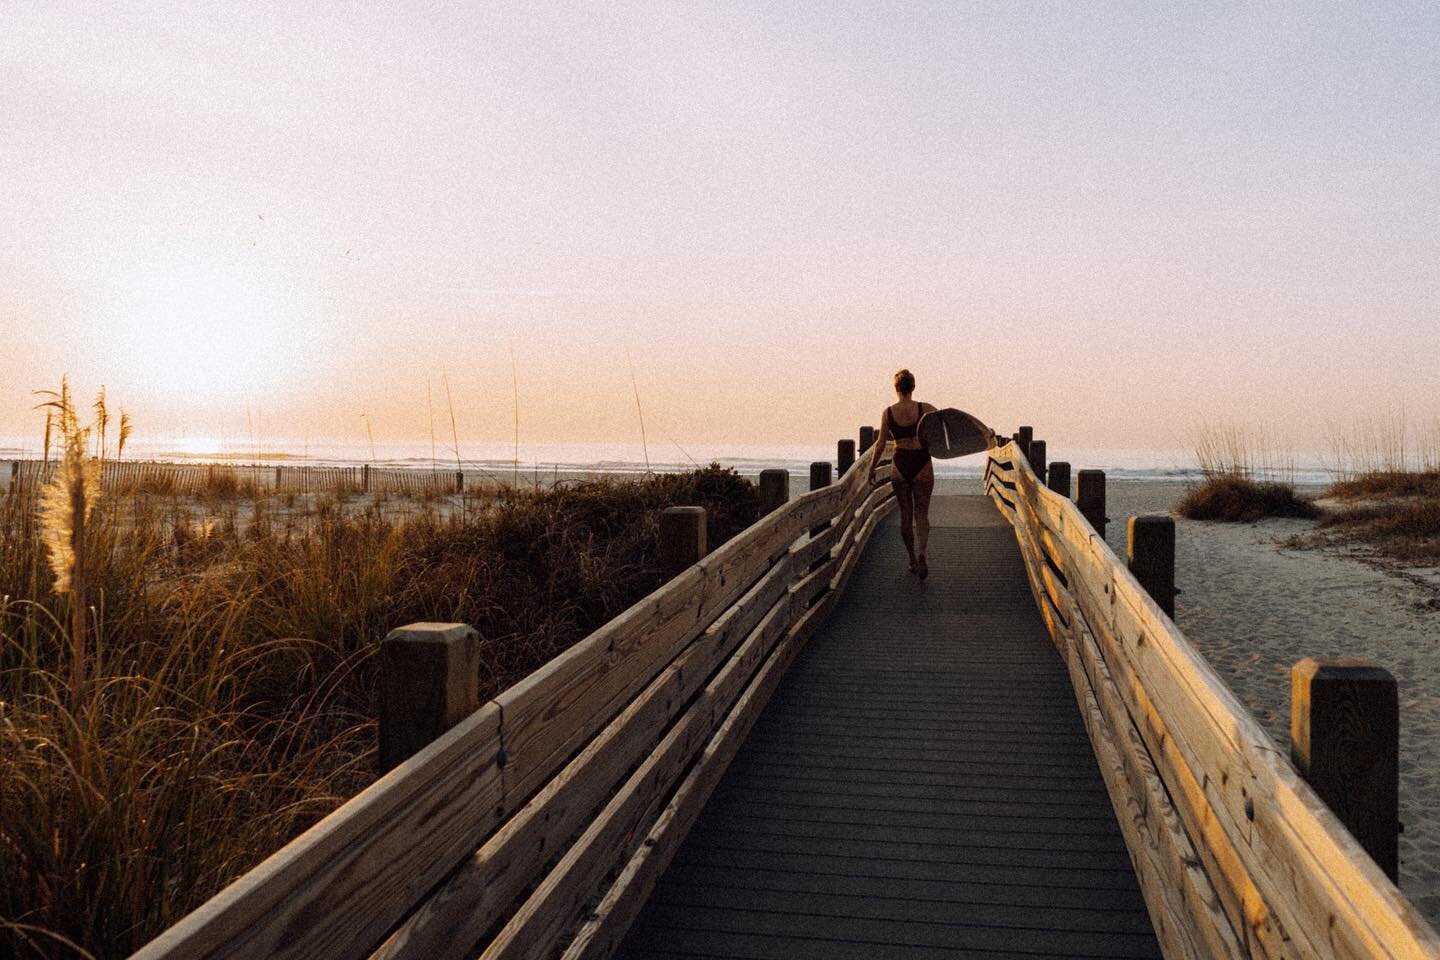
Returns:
point(1235, 854)
point(538, 824)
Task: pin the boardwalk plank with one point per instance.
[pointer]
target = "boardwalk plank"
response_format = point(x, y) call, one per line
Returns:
point(921, 785)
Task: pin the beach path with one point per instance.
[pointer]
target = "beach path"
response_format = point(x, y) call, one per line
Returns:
point(921, 785)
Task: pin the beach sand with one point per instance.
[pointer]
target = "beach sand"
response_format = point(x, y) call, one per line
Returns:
point(1253, 604)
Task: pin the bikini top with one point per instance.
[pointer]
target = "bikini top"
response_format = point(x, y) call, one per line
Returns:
point(905, 433)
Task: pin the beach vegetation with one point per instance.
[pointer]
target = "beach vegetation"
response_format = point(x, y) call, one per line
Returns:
point(225, 695)
point(1232, 498)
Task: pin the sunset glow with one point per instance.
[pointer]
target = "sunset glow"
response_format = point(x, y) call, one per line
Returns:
point(1154, 214)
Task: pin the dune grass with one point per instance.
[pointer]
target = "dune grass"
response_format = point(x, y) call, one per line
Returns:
point(227, 699)
point(1238, 499)
point(1246, 477)
point(1394, 512)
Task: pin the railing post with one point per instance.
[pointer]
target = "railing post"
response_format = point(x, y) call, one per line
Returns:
point(1090, 498)
point(682, 538)
point(774, 489)
point(1345, 741)
point(867, 438)
point(1059, 478)
point(1036, 455)
point(819, 477)
point(1150, 548)
point(1023, 436)
point(844, 456)
point(819, 474)
point(429, 681)
point(365, 478)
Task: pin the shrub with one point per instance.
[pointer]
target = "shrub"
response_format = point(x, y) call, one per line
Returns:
point(1235, 499)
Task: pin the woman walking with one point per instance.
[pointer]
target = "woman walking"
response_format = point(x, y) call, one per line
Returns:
point(911, 472)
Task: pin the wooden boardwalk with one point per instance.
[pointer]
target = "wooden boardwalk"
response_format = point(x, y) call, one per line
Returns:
point(921, 785)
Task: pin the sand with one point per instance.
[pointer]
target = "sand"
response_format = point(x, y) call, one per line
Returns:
point(1253, 604)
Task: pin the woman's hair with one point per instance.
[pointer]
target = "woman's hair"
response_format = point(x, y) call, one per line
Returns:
point(904, 381)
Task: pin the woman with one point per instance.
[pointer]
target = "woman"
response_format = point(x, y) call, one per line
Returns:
point(911, 472)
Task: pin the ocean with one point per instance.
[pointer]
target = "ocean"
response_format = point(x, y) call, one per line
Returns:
point(540, 460)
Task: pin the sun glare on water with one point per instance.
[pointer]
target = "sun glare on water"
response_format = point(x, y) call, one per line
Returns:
point(202, 330)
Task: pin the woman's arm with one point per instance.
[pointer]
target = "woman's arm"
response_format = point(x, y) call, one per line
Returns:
point(880, 442)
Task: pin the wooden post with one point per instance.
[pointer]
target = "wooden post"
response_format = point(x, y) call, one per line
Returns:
point(1023, 436)
point(867, 438)
point(1090, 498)
point(774, 490)
point(365, 478)
point(14, 474)
point(429, 681)
point(819, 477)
point(844, 456)
point(1345, 741)
point(277, 478)
point(1059, 478)
point(682, 538)
point(1150, 547)
point(459, 481)
point(1036, 456)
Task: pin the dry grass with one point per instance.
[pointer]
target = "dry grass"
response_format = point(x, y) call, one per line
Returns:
point(1239, 450)
point(1394, 512)
point(1237, 499)
point(202, 736)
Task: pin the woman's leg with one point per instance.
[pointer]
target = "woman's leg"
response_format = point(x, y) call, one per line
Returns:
point(922, 488)
point(905, 497)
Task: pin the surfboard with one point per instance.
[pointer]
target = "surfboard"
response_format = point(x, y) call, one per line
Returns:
point(951, 433)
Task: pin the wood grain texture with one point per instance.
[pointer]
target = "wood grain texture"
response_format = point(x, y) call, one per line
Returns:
point(927, 741)
point(1277, 855)
point(335, 890)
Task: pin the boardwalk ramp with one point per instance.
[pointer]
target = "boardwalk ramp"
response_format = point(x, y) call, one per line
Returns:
point(921, 785)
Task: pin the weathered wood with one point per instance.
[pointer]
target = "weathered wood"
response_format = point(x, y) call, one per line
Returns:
point(1023, 438)
point(559, 903)
point(335, 890)
point(1035, 456)
point(774, 490)
point(1150, 555)
point(478, 896)
point(867, 438)
point(1257, 799)
point(1161, 828)
point(553, 712)
point(682, 539)
point(429, 681)
point(1058, 479)
point(844, 456)
point(1345, 741)
point(1090, 498)
point(819, 474)
point(602, 932)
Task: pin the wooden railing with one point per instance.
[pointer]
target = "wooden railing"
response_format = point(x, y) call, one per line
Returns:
point(537, 825)
point(1235, 854)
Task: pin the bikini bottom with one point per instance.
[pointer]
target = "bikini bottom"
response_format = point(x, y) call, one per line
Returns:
point(909, 463)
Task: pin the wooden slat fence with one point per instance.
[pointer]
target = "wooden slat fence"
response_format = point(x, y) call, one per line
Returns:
point(536, 826)
point(1236, 855)
point(198, 479)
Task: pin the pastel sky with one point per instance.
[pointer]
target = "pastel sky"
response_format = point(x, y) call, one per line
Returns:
point(1109, 220)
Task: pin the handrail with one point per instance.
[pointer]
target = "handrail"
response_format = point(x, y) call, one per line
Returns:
point(566, 789)
point(1235, 853)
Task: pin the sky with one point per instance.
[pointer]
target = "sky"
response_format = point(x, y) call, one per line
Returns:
point(1112, 221)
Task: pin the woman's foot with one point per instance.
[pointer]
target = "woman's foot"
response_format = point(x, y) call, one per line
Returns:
point(921, 568)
